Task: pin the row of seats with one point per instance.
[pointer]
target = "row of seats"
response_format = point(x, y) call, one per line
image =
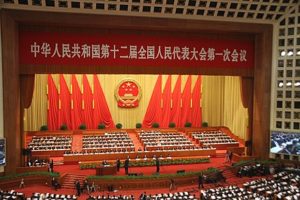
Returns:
point(49, 143)
point(157, 139)
point(169, 196)
point(48, 196)
point(282, 186)
point(117, 140)
point(11, 195)
point(212, 137)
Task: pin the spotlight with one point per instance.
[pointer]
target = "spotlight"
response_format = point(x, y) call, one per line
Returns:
point(280, 84)
point(298, 53)
point(282, 53)
point(290, 53)
point(297, 84)
point(288, 83)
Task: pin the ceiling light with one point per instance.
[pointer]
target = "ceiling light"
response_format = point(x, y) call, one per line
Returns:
point(280, 84)
point(282, 53)
point(290, 53)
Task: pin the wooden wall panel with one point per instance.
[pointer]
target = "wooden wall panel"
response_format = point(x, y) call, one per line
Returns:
point(11, 92)
point(262, 94)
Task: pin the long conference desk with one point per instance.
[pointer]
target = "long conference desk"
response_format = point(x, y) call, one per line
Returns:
point(75, 158)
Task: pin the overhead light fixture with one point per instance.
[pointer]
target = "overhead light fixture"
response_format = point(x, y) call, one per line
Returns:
point(280, 84)
point(297, 84)
point(298, 53)
point(282, 53)
point(288, 83)
point(290, 53)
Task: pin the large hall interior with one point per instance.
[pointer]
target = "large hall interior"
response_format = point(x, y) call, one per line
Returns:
point(150, 99)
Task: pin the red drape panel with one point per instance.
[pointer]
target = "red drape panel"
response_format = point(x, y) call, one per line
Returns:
point(52, 115)
point(176, 102)
point(76, 104)
point(186, 102)
point(196, 119)
point(87, 103)
point(101, 109)
point(153, 113)
point(166, 109)
point(65, 101)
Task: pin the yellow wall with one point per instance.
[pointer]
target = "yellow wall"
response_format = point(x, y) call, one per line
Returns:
point(221, 100)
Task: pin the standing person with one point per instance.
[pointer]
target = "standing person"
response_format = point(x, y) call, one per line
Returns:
point(230, 157)
point(77, 185)
point(126, 165)
point(51, 165)
point(157, 165)
point(118, 164)
point(22, 183)
point(172, 184)
point(200, 181)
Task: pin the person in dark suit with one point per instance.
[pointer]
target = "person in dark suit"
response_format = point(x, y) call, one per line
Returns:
point(157, 165)
point(118, 164)
point(126, 165)
point(77, 185)
point(200, 181)
point(51, 165)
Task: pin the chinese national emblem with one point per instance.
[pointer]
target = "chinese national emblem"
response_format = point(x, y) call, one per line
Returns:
point(128, 93)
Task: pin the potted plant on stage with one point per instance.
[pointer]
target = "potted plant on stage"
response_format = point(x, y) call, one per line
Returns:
point(101, 126)
point(138, 125)
point(188, 125)
point(172, 125)
point(44, 128)
point(155, 125)
point(63, 127)
point(82, 127)
point(119, 126)
point(204, 124)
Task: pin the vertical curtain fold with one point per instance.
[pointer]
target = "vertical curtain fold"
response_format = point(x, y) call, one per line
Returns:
point(53, 98)
point(76, 102)
point(65, 103)
point(87, 103)
point(196, 115)
point(176, 102)
point(153, 113)
point(101, 110)
point(186, 102)
point(166, 109)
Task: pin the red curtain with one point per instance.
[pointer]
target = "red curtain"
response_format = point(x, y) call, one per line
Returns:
point(153, 113)
point(65, 103)
point(176, 102)
point(186, 102)
point(52, 94)
point(87, 103)
point(76, 102)
point(166, 109)
point(101, 109)
point(196, 119)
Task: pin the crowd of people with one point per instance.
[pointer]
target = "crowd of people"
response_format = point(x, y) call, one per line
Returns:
point(12, 194)
point(50, 143)
point(119, 141)
point(213, 137)
point(286, 143)
point(282, 186)
point(153, 140)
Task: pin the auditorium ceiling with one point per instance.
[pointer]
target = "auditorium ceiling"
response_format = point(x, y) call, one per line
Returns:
point(249, 11)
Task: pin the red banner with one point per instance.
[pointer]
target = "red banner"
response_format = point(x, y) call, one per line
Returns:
point(53, 48)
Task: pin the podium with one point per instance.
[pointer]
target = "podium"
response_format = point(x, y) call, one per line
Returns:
point(106, 170)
